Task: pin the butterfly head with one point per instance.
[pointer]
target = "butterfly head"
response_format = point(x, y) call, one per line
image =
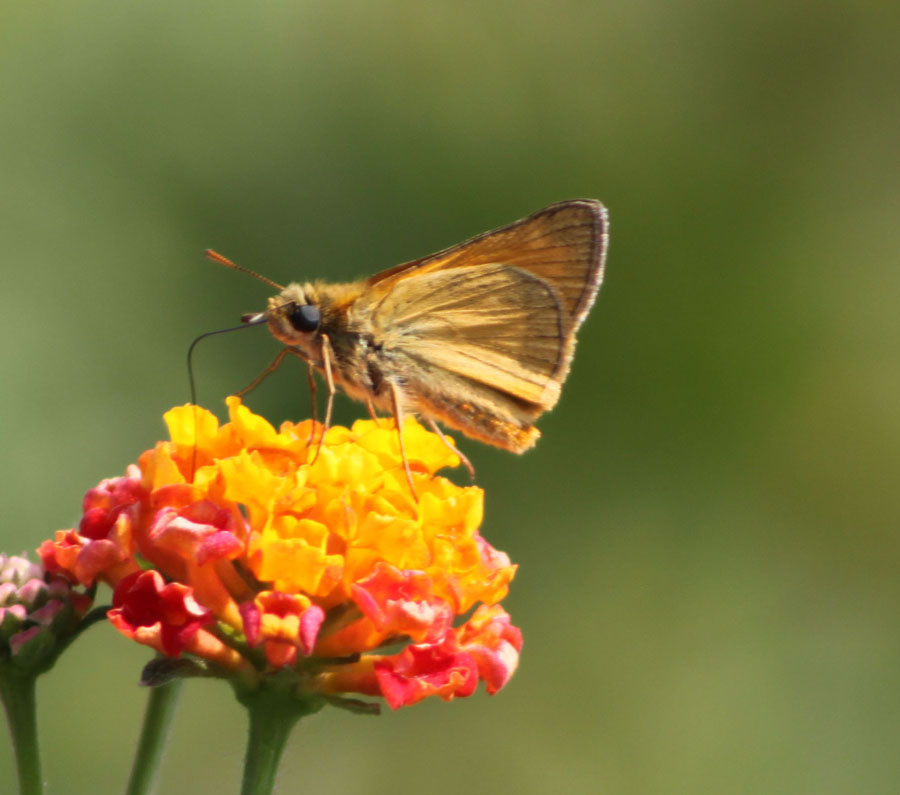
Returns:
point(293, 316)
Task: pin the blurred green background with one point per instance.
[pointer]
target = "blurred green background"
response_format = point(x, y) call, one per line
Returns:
point(707, 532)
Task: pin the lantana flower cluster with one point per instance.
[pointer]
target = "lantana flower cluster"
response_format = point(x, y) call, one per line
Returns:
point(39, 614)
point(257, 552)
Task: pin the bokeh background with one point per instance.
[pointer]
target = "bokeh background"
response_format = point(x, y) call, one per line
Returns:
point(707, 532)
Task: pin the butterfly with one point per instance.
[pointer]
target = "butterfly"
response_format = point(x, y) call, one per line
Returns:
point(478, 337)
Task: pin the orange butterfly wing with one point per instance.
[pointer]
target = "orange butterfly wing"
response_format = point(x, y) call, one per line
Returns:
point(564, 244)
point(501, 308)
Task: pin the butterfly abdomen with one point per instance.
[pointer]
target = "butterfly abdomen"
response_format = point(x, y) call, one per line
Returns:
point(490, 418)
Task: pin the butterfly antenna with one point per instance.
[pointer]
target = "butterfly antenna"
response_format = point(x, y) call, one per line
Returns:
point(215, 256)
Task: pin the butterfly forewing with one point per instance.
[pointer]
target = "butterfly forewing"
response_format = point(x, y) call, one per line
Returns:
point(563, 244)
point(501, 308)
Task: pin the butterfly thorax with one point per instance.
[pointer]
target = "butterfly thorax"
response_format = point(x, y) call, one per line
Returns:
point(346, 324)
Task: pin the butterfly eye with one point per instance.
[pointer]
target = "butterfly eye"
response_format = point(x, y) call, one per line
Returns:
point(305, 317)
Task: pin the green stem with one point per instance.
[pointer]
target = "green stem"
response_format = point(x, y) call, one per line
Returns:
point(157, 720)
point(18, 695)
point(273, 714)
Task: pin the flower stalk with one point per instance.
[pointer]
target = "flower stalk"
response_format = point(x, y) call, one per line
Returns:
point(161, 705)
point(17, 691)
point(273, 710)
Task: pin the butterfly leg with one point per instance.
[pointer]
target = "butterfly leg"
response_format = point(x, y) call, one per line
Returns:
point(465, 461)
point(371, 407)
point(398, 421)
point(314, 403)
point(276, 363)
point(329, 383)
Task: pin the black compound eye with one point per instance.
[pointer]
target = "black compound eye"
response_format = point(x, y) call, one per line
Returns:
point(305, 317)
